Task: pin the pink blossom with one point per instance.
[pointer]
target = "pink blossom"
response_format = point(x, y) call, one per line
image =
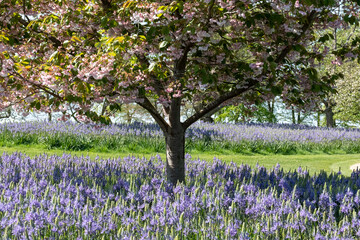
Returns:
point(177, 94)
point(256, 65)
point(337, 61)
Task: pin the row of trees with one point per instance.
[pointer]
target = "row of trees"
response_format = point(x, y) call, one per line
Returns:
point(206, 53)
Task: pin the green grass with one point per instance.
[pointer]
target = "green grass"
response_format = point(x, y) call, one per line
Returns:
point(140, 144)
point(314, 163)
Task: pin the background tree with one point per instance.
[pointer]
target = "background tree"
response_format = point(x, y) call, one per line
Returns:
point(264, 112)
point(340, 35)
point(238, 113)
point(347, 99)
point(298, 116)
point(171, 52)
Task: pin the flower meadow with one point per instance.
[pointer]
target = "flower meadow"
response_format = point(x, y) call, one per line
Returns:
point(71, 197)
point(140, 137)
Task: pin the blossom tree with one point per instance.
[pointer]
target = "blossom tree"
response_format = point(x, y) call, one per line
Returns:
point(114, 52)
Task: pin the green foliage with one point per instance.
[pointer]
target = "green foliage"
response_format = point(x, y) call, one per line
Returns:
point(261, 112)
point(232, 113)
point(347, 100)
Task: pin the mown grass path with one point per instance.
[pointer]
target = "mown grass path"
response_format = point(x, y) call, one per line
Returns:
point(314, 163)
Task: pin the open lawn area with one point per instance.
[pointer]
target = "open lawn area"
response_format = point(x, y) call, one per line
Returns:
point(314, 163)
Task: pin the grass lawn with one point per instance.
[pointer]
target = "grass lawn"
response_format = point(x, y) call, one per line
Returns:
point(314, 163)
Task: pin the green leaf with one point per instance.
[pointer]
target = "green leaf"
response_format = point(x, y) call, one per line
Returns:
point(109, 41)
point(128, 4)
point(53, 55)
point(165, 30)
point(152, 66)
point(116, 106)
point(66, 43)
point(141, 91)
point(38, 105)
point(75, 39)
point(11, 41)
point(19, 86)
point(120, 39)
point(315, 88)
point(313, 74)
point(163, 44)
point(150, 33)
point(276, 90)
point(273, 66)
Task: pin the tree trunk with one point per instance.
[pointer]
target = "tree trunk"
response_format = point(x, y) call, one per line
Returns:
point(175, 144)
point(330, 122)
point(271, 108)
point(175, 155)
point(293, 115)
point(299, 120)
point(174, 132)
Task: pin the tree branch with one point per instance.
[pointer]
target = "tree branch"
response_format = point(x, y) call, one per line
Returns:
point(24, 9)
point(209, 11)
point(146, 104)
point(57, 43)
point(39, 86)
point(159, 88)
point(14, 102)
point(214, 104)
point(236, 92)
point(310, 19)
point(180, 64)
point(106, 4)
point(72, 113)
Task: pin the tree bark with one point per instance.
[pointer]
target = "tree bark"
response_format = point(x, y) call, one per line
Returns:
point(330, 121)
point(293, 115)
point(329, 113)
point(299, 120)
point(175, 144)
point(271, 107)
point(207, 117)
point(175, 155)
